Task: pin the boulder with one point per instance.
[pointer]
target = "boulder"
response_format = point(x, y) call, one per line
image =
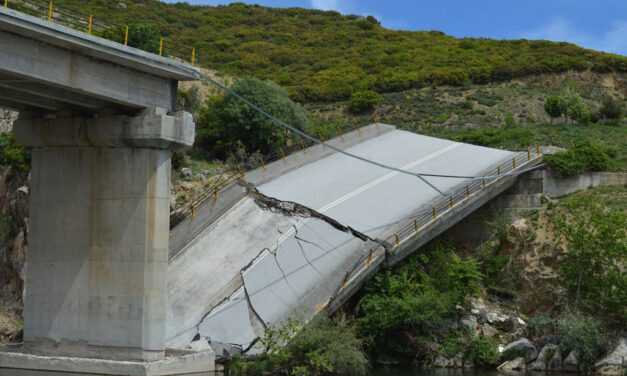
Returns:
point(545, 355)
point(515, 365)
point(440, 362)
point(470, 323)
point(488, 330)
point(522, 347)
point(555, 363)
point(614, 362)
point(186, 172)
point(571, 363)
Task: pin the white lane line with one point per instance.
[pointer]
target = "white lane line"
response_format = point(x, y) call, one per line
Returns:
point(365, 187)
point(386, 177)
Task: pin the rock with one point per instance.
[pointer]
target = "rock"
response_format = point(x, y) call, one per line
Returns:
point(470, 323)
point(488, 330)
point(555, 363)
point(546, 354)
point(186, 172)
point(613, 363)
point(522, 347)
point(571, 363)
point(517, 364)
point(520, 225)
point(23, 190)
point(440, 362)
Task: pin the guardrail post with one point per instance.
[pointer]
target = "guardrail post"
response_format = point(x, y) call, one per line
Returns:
point(6, 3)
point(50, 10)
point(161, 46)
point(193, 60)
point(513, 163)
point(538, 149)
point(90, 24)
point(126, 36)
point(282, 153)
point(528, 153)
point(498, 170)
point(433, 213)
point(450, 202)
point(467, 191)
point(415, 225)
point(397, 239)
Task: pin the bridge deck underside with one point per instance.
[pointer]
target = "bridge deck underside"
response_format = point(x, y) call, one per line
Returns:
point(299, 263)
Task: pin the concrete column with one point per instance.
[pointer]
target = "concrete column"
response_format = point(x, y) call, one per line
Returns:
point(98, 239)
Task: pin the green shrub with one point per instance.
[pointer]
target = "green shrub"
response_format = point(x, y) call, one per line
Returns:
point(592, 268)
point(584, 335)
point(584, 156)
point(224, 122)
point(363, 101)
point(146, 37)
point(541, 325)
point(611, 109)
point(12, 154)
point(481, 352)
point(555, 106)
point(323, 347)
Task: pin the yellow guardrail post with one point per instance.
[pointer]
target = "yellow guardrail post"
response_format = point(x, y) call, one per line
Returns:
point(6, 3)
point(433, 212)
point(126, 36)
point(514, 163)
point(538, 150)
point(90, 24)
point(450, 202)
point(161, 46)
point(528, 153)
point(193, 61)
point(50, 10)
point(415, 225)
point(397, 239)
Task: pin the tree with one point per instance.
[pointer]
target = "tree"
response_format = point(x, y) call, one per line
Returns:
point(576, 108)
point(555, 106)
point(592, 267)
point(224, 122)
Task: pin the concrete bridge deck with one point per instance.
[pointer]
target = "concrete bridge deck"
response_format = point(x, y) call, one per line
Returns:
point(253, 266)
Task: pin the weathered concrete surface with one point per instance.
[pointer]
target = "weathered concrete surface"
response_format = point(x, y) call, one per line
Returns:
point(23, 363)
point(556, 186)
point(98, 241)
point(305, 259)
point(212, 209)
point(48, 67)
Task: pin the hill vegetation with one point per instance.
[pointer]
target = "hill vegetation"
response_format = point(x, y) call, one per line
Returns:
point(325, 56)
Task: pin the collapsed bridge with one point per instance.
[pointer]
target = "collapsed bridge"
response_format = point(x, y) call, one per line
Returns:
point(302, 234)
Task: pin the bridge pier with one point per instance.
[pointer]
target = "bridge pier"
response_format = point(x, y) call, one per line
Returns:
point(98, 243)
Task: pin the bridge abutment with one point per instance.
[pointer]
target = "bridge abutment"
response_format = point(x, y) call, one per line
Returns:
point(98, 238)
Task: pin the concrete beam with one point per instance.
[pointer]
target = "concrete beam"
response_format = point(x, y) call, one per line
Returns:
point(74, 73)
point(64, 97)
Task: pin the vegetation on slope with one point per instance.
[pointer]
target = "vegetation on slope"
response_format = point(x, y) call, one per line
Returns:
point(326, 56)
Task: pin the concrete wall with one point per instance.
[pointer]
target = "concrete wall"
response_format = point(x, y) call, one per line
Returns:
point(556, 186)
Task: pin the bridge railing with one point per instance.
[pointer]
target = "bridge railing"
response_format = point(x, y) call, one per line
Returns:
point(429, 215)
point(89, 24)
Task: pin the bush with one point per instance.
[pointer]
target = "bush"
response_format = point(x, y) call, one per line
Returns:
point(323, 347)
point(612, 109)
point(555, 106)
point(363, 101)
point(482, 352)
point(146, 37)
point(582, 157)
point(12, 154)
point(581, 334)
point(224, 122)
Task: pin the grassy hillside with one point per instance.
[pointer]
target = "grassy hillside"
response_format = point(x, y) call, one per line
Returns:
point(324, 56)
